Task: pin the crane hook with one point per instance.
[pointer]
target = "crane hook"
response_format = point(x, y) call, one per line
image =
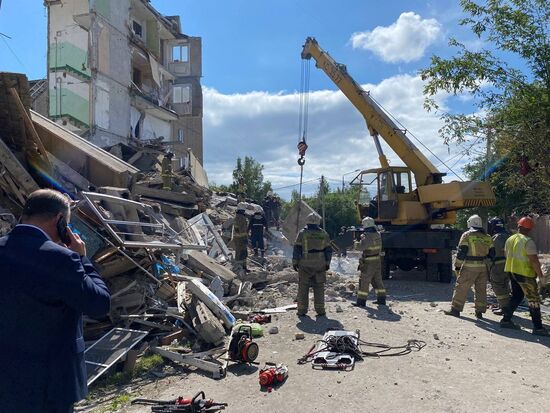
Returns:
point(302, 147)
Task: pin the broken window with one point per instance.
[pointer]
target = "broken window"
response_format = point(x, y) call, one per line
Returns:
point(180, 53)
point(182, 94)
point(137, 29)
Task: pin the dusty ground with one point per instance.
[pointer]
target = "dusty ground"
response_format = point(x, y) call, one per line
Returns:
point(466, 366)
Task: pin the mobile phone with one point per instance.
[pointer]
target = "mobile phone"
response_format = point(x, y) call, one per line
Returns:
point(63, 231)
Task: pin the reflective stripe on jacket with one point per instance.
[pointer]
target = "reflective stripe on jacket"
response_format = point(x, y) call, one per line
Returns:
point(478, 245)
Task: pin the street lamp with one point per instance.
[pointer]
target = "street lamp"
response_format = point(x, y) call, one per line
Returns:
point(347, 173)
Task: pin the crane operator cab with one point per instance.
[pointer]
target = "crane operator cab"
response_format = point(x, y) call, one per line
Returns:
point(381, 190)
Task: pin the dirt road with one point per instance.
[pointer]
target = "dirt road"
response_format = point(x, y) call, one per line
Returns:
point(466, 366)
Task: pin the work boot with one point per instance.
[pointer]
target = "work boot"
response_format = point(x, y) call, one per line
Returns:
point(380, 301)
point(479, 315)
point(509, 324)
point(361, 302)
point(453, 311)
point(541, 332)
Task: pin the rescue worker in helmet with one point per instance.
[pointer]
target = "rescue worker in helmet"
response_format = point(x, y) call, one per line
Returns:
point(370, 264)
point(500, 280)
point(256, 228)
point(166, 171)
point(240, 236)
point(311, 258)
point(475, 251)
point(522, 262)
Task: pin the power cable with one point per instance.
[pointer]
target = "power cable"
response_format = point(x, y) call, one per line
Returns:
point(412, 134)
point(3, 37)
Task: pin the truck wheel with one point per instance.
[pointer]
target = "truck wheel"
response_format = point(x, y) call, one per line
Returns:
point(445, 273)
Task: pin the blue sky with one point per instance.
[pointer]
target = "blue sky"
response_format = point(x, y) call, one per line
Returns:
point(251, 71)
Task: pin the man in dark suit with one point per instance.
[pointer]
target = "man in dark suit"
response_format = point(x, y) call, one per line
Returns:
point(47, 283)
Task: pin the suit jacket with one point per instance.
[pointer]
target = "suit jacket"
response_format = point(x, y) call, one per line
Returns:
point(44, 290)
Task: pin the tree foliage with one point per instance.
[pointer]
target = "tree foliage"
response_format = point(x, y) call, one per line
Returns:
point(340, 209)
point(248, 178)
point(513, 100)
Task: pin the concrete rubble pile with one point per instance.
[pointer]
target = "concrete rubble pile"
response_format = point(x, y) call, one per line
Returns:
point(158, 250)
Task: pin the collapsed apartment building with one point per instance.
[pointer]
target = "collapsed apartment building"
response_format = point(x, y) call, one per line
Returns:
point(119, 73)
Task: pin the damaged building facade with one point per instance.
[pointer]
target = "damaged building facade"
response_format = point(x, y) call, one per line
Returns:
point(120, 72)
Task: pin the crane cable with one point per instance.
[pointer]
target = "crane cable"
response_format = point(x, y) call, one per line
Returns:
point(302, 127)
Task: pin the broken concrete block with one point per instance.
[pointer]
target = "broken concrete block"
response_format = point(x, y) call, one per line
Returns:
point(207, 326)
point(199, 261)
point(202, 292)
point(160, 194)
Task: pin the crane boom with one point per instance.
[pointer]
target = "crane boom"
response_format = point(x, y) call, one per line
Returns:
point(378, 122)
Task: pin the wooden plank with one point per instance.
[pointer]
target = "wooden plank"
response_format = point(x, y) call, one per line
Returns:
point(18, 172)
point(28, 123)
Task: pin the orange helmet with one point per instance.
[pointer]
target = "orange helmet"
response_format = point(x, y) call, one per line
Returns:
point(527, 223)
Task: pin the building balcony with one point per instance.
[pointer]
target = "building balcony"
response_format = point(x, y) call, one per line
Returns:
point(150, 104)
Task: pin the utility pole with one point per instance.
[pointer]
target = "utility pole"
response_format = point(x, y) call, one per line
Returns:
point(322, 195)
point(487, 164)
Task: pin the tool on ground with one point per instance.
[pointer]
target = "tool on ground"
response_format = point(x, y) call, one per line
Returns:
point(241, 347)
point(273, 374)
point(338, 349)
point(197, 404)
point(259, 318)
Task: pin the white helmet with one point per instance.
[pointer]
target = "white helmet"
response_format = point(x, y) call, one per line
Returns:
point(313, 219)
point(258, 209)
point(269, 193)
point(241, 206)
point(368, 222)
point(474, 222)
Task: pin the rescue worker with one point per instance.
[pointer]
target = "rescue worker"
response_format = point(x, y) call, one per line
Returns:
point(240, 236)
point(311, 258)
point(475, 249)
point(166, 171)
point(256, 229)
point(500, 280)
point(272, 206)
point(370, 264)
point(523, 265)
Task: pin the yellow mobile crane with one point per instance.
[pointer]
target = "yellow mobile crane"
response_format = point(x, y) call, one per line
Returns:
point(413, 218)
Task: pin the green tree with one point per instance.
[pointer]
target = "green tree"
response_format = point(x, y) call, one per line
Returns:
point(340, 209)
point(513, 100)
point(248, 177)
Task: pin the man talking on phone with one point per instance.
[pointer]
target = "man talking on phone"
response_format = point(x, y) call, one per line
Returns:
point(47, 283)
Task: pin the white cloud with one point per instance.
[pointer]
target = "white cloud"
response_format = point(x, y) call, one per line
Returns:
point(405, 40)
point(265, 126)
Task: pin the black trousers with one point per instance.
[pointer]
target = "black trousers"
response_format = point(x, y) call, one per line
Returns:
point(521, 287)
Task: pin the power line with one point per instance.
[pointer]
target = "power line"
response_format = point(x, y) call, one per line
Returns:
point(12, 51)
point(291, 186)
point(418, 140)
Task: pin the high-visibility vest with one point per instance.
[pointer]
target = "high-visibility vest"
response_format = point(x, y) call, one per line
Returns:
point(516, 256)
